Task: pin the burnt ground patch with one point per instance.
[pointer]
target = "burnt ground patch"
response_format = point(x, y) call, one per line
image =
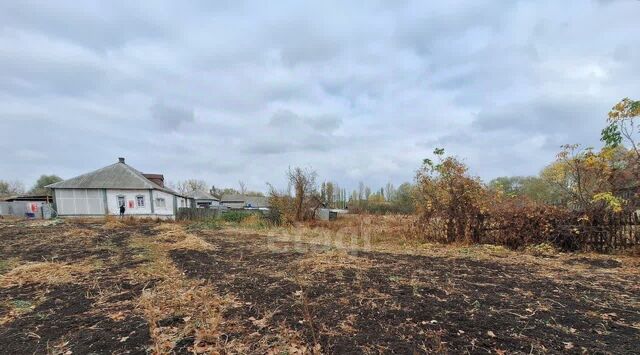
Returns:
point(253, 276)
point(404, 303)
point(595, 263)
point(65, 320)
point(93, 314)
point(308, 295)
point(66, 242)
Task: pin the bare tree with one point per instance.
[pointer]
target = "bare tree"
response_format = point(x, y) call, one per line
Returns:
point(303, 182)
point(8, 188)
point(390, 192)
point(243, 187)
point(189, 186)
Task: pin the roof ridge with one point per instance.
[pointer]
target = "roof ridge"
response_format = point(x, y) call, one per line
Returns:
point(123, 169)
point(139, 175)
point(81, 175)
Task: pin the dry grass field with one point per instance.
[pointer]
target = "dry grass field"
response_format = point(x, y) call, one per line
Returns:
point(136, 287)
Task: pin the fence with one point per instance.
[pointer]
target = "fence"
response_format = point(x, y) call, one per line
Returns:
point(196, 214)
point(568, 231)
point(28, 209)
point(609, 232)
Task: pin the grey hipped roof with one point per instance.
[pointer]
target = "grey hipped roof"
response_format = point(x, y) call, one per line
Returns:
point(255, 201)
point(202, 195)
point(115, 176)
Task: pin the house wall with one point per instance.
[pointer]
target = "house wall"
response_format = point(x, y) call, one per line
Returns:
point(168, 199)
point(90, 202)
point(183, 202)
point(234, 204)
point(210, 203)
point(129, 196)
point(79, 201)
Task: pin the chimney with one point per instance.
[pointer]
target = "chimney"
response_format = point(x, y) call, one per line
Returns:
point(157, 179)
point(121, 160)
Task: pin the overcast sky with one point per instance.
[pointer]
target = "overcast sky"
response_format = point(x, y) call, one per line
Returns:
point(227, 90)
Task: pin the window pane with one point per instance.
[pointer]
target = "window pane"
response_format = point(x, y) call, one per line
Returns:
point(160, 202)
point(140, 201)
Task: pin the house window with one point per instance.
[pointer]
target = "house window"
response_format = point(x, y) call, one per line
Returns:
point(140, 200)
point(181, 203)
point(160, 202)
point(120, 200)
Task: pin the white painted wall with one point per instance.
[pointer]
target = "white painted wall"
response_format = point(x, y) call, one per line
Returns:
point(129, 196)
point(79, 202)
point(168, 199)
point(182, 202)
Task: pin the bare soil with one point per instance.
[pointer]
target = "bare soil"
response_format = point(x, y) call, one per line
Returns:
point(285, 297)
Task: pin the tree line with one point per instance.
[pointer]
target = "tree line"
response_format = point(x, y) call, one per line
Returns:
point(14, 188)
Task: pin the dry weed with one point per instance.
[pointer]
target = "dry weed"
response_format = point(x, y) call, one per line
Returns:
point(112, 223)
point(79, 233)
point(51, 273)
point(180, 308)
point(333, 259)
point(174, 236)
point(177, 307)
point(193, 243)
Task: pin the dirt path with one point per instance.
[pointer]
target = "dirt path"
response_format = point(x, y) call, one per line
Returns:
point(91, 288)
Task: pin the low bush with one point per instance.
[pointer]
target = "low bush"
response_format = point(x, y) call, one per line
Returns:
point(207, 224)
point(235, 216)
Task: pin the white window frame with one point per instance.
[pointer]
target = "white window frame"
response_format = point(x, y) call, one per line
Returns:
point(124, 200)
point(139, 198)
point(161, 202)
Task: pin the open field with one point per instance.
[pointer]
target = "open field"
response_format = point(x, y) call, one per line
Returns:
point(79, 287)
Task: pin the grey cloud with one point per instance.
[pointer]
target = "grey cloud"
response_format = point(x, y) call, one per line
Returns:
point(91, 24)
point(288, 132)
point(171, 117)
point(360, 91)
point(288, 119)
point(581, 118)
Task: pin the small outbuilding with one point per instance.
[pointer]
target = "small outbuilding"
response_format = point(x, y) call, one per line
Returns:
point(103, 191)
point(326, 214)
point(239, 201)
point(204, 199)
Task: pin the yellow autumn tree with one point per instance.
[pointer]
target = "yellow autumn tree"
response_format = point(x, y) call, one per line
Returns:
point(584, 178)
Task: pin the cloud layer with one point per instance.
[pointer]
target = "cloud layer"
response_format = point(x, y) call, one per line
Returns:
point(361, 91)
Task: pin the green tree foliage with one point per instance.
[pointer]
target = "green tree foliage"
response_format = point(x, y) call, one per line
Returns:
point(533, 187)
point(330, 194)
point(509, 185)
point(44, 180)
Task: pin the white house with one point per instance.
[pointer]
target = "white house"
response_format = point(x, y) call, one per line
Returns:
point(103, 191)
